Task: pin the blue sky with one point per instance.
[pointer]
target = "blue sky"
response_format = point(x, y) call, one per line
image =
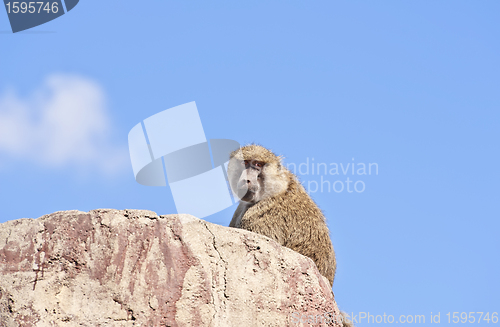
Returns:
point(410, 86)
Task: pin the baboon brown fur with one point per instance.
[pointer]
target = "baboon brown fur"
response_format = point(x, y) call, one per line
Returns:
point(275, 204)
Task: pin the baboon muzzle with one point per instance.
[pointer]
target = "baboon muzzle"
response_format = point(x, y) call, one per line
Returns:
point(248, 184)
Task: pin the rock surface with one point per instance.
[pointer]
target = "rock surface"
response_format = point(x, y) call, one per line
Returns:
point(134, 268)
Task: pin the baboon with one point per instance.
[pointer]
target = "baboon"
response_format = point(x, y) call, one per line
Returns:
point(275, 204)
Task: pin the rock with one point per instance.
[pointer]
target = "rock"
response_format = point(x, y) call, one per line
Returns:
point(134, 268)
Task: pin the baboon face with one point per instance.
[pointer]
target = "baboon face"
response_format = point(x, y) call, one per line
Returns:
point(255, 173)
point(247, 180)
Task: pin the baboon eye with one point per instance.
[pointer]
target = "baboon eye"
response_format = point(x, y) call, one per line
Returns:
point(259, 164)
point(244, 162)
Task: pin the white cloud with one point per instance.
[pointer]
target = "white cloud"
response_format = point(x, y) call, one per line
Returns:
point(63, 123)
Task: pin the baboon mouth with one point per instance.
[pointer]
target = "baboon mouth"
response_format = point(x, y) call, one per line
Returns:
point(245, 194)
point(244, 187)
point(247, 189)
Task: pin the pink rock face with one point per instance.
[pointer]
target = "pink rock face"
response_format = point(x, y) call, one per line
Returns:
point(134, 268)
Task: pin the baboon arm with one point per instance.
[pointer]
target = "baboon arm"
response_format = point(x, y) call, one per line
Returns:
point(233, 221)
point(238, 214)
